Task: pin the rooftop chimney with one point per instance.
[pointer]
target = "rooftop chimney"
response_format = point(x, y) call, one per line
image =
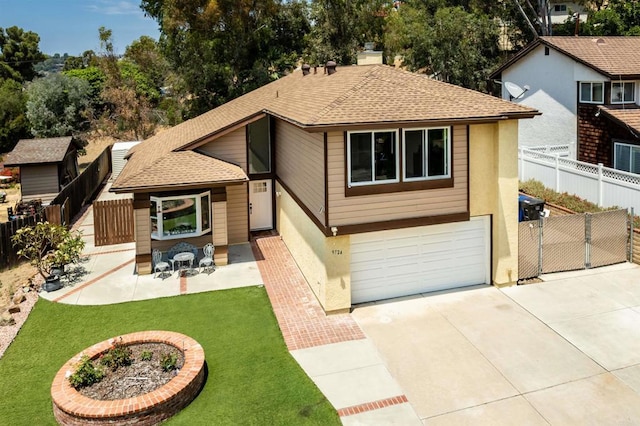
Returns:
point(331, 67)
point(306, 69)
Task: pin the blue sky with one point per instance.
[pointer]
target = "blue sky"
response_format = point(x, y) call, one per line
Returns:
point(71, 26)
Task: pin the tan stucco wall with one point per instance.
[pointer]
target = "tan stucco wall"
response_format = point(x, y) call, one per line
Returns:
point(324, 262)
point(493, 190)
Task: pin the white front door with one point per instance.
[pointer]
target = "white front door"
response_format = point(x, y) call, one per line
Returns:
point(260, 207)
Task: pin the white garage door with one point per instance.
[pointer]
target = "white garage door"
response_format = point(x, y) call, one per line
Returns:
point(408, 261)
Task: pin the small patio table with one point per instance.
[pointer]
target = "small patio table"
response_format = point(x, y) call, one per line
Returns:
point(182, 258)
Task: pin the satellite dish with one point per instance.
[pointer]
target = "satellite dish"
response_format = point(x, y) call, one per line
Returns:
point(515, 91)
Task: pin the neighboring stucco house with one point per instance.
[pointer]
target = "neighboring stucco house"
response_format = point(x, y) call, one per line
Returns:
point(560, 11)
point(588, 90)
point(381, 182)
point(46, 166)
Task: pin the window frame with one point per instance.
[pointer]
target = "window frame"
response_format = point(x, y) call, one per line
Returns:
point(425, 158)
point(396, 146)
point(631, 147)
point(623, 84)
point(159, 233)
point(591, 101)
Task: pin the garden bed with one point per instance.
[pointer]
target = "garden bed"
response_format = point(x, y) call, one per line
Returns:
point(71, 407)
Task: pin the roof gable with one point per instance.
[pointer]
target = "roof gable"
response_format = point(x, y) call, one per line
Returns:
point(352, 96)
point(614, 56)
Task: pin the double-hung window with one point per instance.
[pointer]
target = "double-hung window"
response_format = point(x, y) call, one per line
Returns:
point(372, 157)
point(592, 92)
point(180, 216)
point(427, 154)
point(623, 92)
point(626, 157)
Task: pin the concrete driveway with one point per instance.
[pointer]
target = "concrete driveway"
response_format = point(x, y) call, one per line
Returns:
point(562, 352)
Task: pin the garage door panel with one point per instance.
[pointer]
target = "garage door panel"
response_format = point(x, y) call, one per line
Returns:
point(390, 264)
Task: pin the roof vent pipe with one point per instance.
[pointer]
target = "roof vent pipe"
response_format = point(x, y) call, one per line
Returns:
point(306, 69)
point(331, 67)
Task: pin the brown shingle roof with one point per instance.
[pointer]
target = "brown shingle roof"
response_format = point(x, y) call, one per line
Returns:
point(353, 96)
point(38, 151)
point(613, 56)
point(627, 117)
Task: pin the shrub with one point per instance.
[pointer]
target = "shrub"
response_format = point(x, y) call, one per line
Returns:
point(118, 356)
point(146, 356)
point(86, 374)
point(572, 202)
point(168, 361)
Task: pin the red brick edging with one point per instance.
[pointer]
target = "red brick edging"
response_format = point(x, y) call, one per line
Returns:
point(369, 406)
point(72, 408)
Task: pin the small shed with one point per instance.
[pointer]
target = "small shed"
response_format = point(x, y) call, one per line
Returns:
point(46, 166)
point(118, 153)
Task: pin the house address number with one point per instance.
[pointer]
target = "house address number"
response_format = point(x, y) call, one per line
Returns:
point(336, 252)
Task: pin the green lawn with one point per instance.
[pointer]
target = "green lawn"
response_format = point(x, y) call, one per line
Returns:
point(252, 378)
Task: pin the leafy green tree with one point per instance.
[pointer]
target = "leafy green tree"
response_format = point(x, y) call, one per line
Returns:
point(57, 105)
point(95, 77)
point(223, 49)
point(614, 18)
point(145, 54)
point(453, 45)
point(127, 110)
point(19, 52)
point(13, 120)
point(341, 27)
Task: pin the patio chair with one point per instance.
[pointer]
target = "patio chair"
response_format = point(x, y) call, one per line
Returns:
point(207, 261)
point(158, 264)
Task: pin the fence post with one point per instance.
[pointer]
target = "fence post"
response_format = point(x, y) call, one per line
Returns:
point(557, 172)
point(540, 239)
point(600, 189)
point(631, 219)
point(587, 240)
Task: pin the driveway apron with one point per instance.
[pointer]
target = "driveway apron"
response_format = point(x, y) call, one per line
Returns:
point(560, 352)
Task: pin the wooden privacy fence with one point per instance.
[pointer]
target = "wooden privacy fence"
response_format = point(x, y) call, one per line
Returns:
point(113, 222)
point(8, 256)
point(82, 189)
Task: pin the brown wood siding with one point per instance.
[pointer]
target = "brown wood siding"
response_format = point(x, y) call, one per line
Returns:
point(300, 160)
point(596, 134)
point(237, 214)
point(399, 205)
point(231, 148)
point(35, 180)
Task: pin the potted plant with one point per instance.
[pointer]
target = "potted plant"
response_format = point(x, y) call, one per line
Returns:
point(48, 247)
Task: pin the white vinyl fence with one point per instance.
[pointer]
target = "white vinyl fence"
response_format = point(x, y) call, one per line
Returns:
point(601, 185)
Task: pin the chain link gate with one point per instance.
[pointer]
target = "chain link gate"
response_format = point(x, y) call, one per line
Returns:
point(578, 241)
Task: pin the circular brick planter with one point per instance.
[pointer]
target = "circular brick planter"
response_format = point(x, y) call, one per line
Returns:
point(72, 408)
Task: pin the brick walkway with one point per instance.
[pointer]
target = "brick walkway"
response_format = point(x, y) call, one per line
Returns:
point(301, 318)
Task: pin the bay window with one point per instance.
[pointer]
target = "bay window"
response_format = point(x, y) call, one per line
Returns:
point(180, 216)
point(372, 157)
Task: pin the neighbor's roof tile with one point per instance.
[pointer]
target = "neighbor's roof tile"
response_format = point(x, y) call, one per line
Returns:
point(627, 116)
point(612, 56)
point(38, 151)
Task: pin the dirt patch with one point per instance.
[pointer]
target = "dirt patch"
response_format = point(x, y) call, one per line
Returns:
point(139, 378)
